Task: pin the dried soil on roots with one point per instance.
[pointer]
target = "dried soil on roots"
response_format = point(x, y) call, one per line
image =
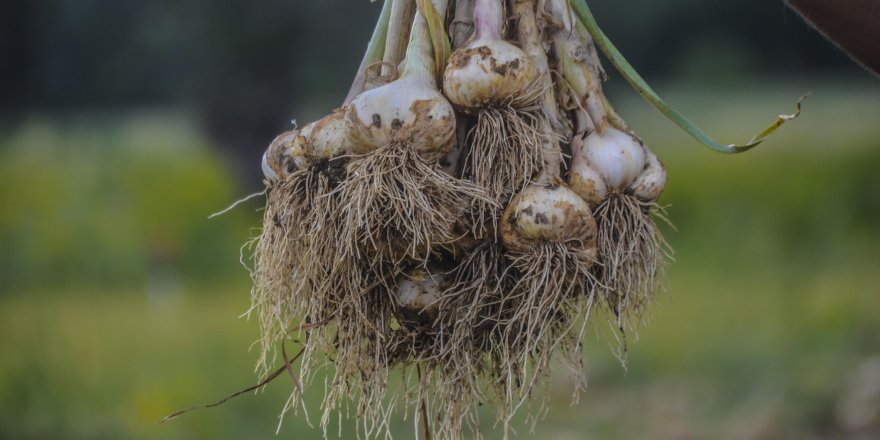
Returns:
point(633, 253)
point(399, 206)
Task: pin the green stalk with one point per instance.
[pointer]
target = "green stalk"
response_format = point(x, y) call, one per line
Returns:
point(638, 83)
point(375, 51)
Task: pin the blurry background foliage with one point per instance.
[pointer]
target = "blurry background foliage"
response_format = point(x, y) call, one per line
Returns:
point(123, 125)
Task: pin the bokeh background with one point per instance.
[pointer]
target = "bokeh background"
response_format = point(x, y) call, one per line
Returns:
point(123, 125)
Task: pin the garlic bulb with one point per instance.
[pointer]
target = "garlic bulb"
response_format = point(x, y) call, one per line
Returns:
point(418, 293)
point(410, 110)
point(292, 150)
point(550, 213)
point(285, 155)
point(488, 70)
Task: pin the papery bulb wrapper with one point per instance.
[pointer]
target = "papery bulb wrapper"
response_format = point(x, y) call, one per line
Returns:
point(587, 182)
point(326, 137)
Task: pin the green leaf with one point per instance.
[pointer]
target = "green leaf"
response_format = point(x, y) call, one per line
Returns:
point(582, 10)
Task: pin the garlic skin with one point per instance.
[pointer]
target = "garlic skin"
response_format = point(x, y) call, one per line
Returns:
point(549, 213)
point(326, 136)
point(487, 70)
point(650, 183)
point(617, 155)
point(285, 155)
point(418, 293)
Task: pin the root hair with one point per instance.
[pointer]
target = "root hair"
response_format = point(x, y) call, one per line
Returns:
point(399, 206)
point(502, 156)
point(634, 253)
point(503, 151)
point(296, 278)
point(545, 313)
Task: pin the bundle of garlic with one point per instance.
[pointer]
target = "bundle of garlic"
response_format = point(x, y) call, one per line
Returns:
point(460, 221)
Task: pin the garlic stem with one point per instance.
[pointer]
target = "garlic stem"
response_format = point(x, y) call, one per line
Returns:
point(583, 124)
point(529, 37)
point(579, 64)
point(595, 66)
point(402, 13)
point(582, 82)
point(488, 19)
point(552, 157)
point(375, 50)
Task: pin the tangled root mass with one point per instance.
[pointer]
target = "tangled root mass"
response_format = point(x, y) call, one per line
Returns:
point(399, 206)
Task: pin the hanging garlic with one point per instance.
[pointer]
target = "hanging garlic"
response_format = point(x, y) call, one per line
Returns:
point(488, 70)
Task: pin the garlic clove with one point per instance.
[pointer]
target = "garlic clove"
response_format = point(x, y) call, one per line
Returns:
point(587, 182)
point(652, 181)
point(285, 155)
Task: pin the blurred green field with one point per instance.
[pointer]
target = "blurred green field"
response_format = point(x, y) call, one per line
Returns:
point(120, 301)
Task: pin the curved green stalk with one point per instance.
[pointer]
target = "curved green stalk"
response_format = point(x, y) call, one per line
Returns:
point(638, 83)
point(375, 51)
